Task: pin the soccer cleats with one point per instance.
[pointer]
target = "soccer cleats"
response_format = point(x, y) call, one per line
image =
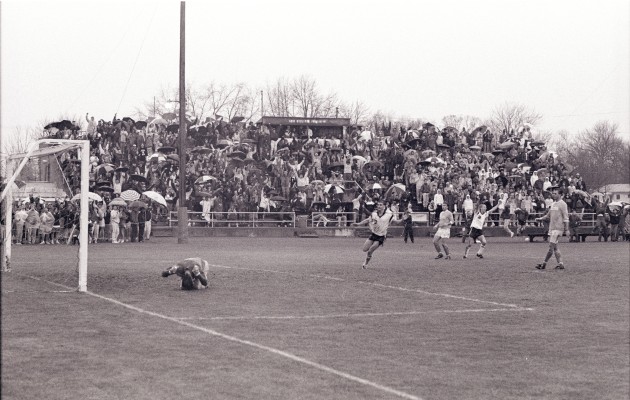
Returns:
point(540, 266)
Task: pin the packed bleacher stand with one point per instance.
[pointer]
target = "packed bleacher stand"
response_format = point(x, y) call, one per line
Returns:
point(235, 167)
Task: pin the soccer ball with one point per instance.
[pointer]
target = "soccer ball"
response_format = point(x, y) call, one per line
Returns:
point(527, 239)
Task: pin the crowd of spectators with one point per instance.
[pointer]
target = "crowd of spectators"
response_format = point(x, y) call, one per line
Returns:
point(235, 167)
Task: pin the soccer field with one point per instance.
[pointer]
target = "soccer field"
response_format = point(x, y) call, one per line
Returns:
point(299, 319)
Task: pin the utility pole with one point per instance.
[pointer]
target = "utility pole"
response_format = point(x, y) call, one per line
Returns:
point(182, 210)
point(262, 105)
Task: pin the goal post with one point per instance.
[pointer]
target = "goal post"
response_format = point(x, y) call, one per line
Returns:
point(34, 150)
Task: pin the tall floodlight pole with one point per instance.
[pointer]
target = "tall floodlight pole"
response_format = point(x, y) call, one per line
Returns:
point(182, 210)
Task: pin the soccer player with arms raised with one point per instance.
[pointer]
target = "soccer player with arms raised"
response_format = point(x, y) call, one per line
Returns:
point(476, 229)
point(378, 222)
point(558, 217)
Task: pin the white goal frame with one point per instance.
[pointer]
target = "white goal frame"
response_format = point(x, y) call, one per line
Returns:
point(7, 196)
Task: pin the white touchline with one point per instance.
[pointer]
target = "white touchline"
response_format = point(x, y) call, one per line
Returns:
point(375, 284)
point(272, 350)
point(349, 315)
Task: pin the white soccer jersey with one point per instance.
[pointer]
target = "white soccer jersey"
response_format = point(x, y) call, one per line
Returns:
point(378, 225)
point(479, 220)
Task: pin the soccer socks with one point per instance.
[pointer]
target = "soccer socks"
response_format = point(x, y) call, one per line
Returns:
point(466, 251)
point(367, 259)
point(481, 250)
point(446, 249)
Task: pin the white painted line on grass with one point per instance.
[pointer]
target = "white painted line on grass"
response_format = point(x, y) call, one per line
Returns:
point(266, 348)
point(272, 350)
point(357, 315)
point(374, 284)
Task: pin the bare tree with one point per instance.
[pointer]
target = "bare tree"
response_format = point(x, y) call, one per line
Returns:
point(279, 98)
point(600, 154)
point(455, 121)
point(510, 117)
point(357, 111)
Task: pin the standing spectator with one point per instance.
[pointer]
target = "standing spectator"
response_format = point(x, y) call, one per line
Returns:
point(438, 202)
point(46, 225)
point(408, 225)
point(32, 224)
point(615, 219)
point(20, 219)
point(114, 221)
point(133, 218)
point(575, 220)
point(142, 218)
point(147, 223)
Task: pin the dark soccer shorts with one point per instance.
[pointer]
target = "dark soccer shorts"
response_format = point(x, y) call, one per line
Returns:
point(475, 233)
point(377, 238)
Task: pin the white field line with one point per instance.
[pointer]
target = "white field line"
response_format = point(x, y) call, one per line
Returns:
point(272, 350)
point(376, 285)
point(357, 315)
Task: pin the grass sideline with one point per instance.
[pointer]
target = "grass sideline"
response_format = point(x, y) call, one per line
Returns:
point(299, 318)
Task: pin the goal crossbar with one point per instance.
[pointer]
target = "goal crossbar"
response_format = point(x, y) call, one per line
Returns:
point(35, 151)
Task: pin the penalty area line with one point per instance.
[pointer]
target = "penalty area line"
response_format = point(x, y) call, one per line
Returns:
point(380, 285)
point(356, 315)
point(269, 349)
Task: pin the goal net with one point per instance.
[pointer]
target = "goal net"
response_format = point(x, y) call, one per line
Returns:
point(44, 205)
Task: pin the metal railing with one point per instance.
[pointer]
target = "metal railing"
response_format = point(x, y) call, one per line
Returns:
point(333, 219)
point(236, 219)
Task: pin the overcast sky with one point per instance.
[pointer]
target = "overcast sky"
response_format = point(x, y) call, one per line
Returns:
point(567, 60)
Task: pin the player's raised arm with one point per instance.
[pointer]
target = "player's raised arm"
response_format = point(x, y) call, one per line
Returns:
point(364, 222)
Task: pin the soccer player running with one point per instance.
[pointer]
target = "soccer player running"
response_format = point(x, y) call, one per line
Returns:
point(192, 271)
point(558, 217)
point(443, 232)
point(476, 229)
point(378, 222)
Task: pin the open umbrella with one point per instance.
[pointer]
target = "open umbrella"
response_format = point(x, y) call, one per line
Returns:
point(507, 145)
point(203, 194)
point(497, 152)
point(122, 169)
point(205, 178)
point(91, 196)
point(336, 165)
point(174, 157)
point(396, 188)
point(158, 121)
point(130, 195)
point(360, 159)
point(104, 168)
point(155, 196)
point(118, 202)
point(237, 119)
point(375, 186)
point(154, 157)
point(139, 178)
point(336, 188)
point(474, 147)
point(488, 155)
point(278, 198)
point(105, 189)
point(223, 143)
point(373, 164)
point(166, 149)
point(444, 145)
point(140, 124)
point(237, 153)
point(173, 128)
point(481, 128)
point(201, 150)
point(169, 116)
point(138, 204)
point(366, 135)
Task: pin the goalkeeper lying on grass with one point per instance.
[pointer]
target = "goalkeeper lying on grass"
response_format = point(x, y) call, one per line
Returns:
point(192, 271)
